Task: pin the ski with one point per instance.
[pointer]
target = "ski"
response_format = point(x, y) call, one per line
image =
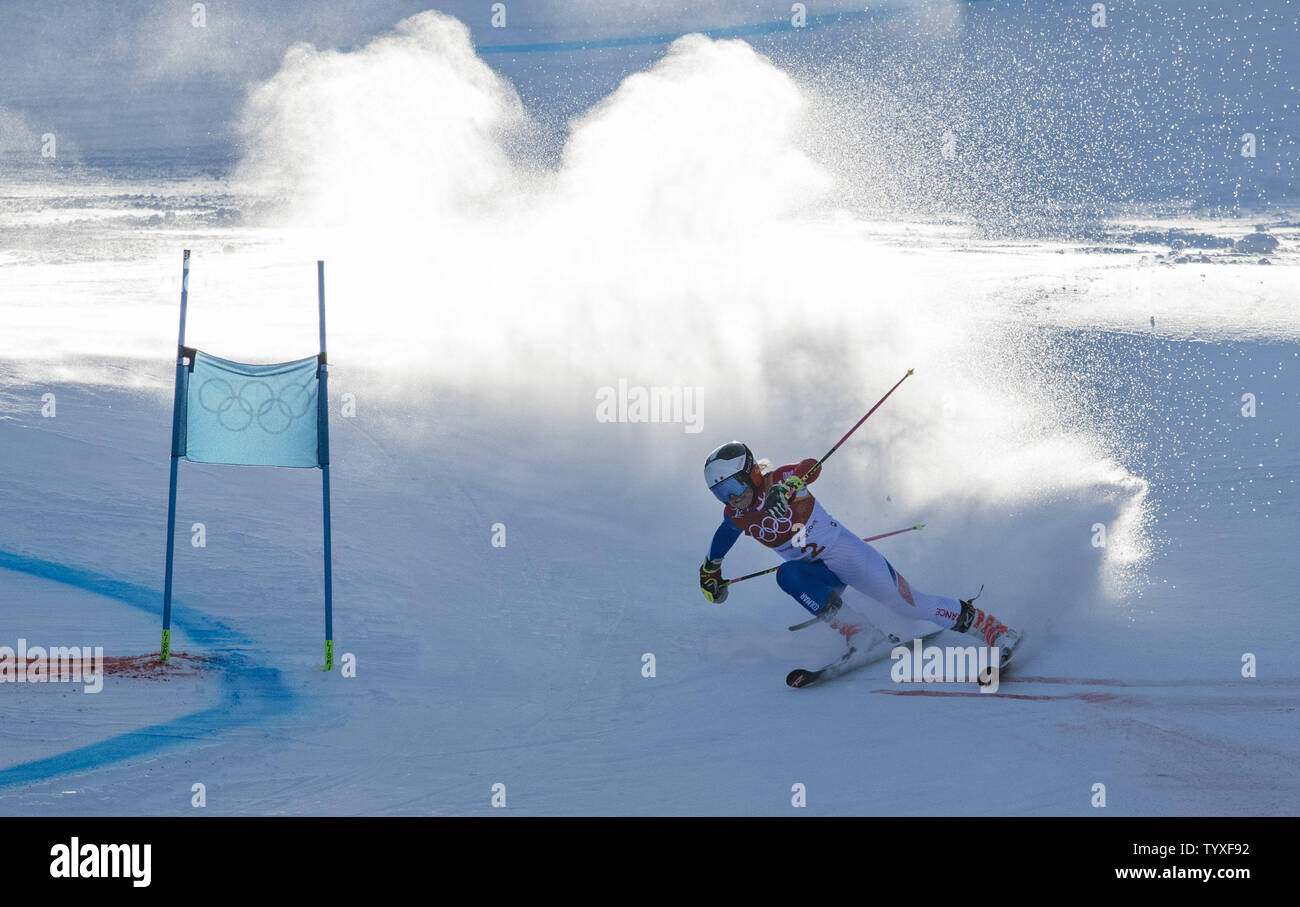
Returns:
point(850, 661)
point(1006, 653)
point(802, 677)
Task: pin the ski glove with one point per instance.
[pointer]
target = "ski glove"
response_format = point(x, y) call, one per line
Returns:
point(712, 584)
point(776, 503)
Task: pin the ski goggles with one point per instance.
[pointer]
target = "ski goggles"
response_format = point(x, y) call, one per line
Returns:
point(731, 485)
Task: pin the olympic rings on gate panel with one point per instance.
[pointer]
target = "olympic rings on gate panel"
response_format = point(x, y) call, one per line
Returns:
point(255, 401)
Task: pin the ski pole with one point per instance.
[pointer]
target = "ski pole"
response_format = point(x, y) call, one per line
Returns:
point(818, 464)
point(883, 535)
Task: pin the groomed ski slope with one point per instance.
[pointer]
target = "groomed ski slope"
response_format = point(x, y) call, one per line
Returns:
point(522, 664)
point(687, 237)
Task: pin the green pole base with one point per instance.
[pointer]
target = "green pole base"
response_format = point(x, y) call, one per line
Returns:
point(166, 645)
point(329, 655)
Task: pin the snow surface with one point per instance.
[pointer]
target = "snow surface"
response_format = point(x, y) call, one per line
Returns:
point(686, 235)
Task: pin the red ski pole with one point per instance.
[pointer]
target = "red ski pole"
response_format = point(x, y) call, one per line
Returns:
point(818, 464)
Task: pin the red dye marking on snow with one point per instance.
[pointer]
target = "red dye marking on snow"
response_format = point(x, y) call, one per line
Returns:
point(182, 664)
point(149, 667)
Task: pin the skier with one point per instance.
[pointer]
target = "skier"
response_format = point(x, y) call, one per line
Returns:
point(822, 557)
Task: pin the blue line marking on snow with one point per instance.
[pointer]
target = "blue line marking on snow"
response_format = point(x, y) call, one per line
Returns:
point(250, 692)
point(884, 11)
point(727, 31)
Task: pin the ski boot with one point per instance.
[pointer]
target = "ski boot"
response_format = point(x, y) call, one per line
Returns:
point(857, 631)
point(977, 622)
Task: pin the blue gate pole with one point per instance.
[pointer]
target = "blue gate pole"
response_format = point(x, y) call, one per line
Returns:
point(323, 457)
point(178, 402)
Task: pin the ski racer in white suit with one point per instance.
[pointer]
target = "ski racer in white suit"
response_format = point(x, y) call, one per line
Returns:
point(821, 555)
